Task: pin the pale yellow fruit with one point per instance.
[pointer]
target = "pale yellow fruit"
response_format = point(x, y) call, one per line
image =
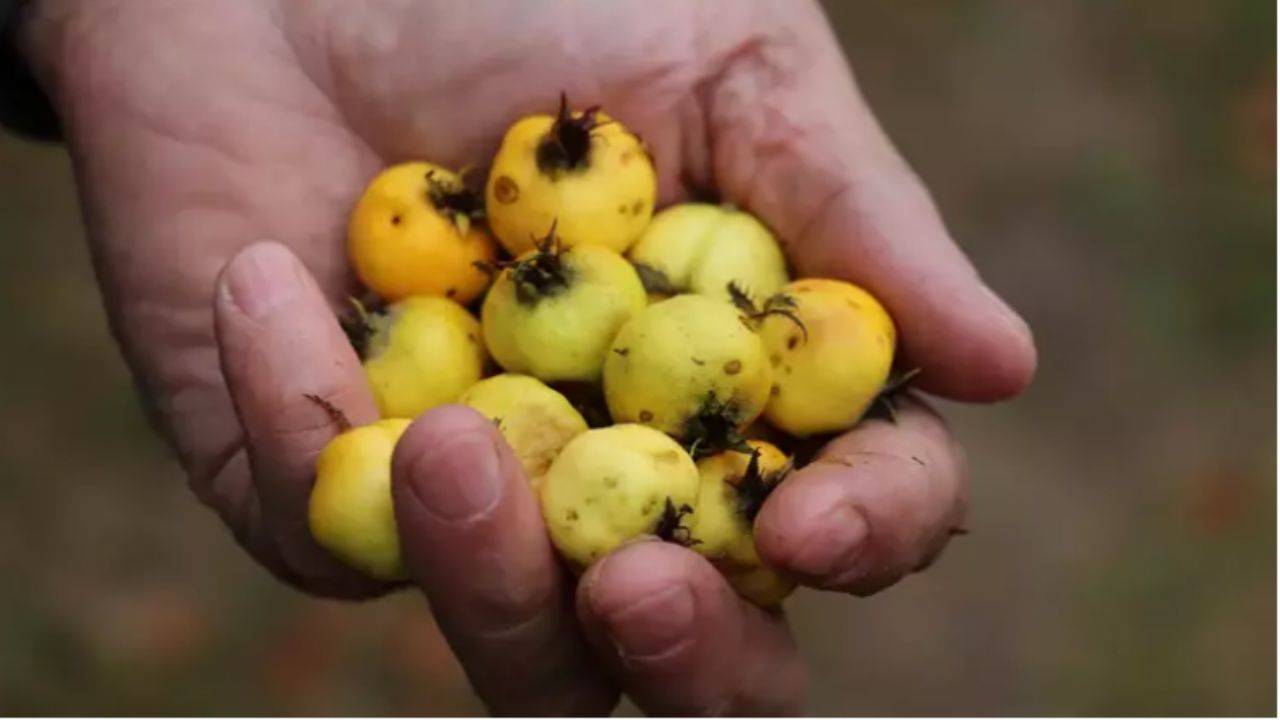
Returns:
point(685, 359)
point(553, 314)
point(534, 419)
point(424, 352)
point(701, 248)
point(613, 484)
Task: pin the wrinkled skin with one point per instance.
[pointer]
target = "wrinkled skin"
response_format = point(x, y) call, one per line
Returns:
point(201, 128)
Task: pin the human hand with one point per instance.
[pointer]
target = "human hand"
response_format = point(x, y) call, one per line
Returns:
point(200, 128)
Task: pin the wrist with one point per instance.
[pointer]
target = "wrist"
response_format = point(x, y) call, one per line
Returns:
point(24, 107)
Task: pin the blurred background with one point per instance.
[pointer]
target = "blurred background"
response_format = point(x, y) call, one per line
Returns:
point(1109, 166)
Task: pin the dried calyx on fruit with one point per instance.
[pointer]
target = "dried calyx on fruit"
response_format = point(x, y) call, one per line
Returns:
point(780, 304)
point(542, 273)
point(453, 199)
point(567, 145)
point(715, 428)
point(756, 485)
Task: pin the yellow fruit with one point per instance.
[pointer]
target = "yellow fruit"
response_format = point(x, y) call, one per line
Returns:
point(414, 232)
point(733, 487)
point(423, 352)
point(827, 375)
point(350, 512)
point(691, 367)
point(583, 171)
point(554, 312)
point(701, 248)
point(535, 420)
point(614, 484)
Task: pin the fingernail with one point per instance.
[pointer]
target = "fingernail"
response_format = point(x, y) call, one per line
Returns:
point(652, 625)
point(459, 479)
point(261, 279)
point(836, 541)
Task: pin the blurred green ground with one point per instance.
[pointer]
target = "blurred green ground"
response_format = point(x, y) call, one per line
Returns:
point(1110, 166)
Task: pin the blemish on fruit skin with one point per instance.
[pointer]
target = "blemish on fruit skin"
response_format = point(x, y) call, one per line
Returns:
point(733, 367)
point(882, 341)
point(853, 304)
point(792, 342)
point(611, 482)
point(775, 391)
point(622, 209)
point(451, 292)
point(775, 359)
point(645, 416)
point(637, 207)
point(571, 515)
point(471, 338)
point(395, 219)
point(668, 456)
point(625, 158)
point(698, 362)
point(505, 190)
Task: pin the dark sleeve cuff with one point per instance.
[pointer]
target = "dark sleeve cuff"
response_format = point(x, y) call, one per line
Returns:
point(24, 108)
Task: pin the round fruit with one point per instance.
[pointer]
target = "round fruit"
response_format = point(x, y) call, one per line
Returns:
point(831, 364)
point(350, 513)
point(553, 313)
point(691, 367)
point(535, 420)
point(614, 484)
point(584, 171)
point(415, 231)
point(701, 248)
point(422, 352)
point(733, 487)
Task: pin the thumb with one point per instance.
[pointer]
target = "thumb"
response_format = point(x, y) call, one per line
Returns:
point(793, 141)
point(473, 540)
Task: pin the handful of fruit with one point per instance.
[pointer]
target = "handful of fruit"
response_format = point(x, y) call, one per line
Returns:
point(680, 336)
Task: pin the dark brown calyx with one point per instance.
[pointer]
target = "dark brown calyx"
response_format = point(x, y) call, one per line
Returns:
point(454, 200)
point(542, 274)
point(654, 280)
point(567, 145)
point(361, 325)
point(781, 304)
point(671, 527)
point(714, 429)
point(755, 486)
point(885, 404)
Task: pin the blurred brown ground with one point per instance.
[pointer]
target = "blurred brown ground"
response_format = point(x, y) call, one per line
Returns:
point(1110, 167)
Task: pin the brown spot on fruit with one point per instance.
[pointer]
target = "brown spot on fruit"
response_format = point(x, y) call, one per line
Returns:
point(395, 219)
point(571, 515)
point(625, 157)
point(505, 190)
point(611, 482)
point(622, 209)
point(775, 359)
point(733, 367)
point(645, 416)
point(792, 342)
point(471, 338)
point(697, 361)
point(853, 304)
point(775, 391)
point(637, 207)
point(451, 292)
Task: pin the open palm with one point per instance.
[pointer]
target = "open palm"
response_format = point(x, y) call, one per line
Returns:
point(200, 129)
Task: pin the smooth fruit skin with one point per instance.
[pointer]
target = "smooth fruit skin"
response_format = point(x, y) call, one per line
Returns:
point(424, 352)
point(670, 358)
point(720, 531)
point(701, 248)
point(611, 485)
point(536, 420)
point(400, 244)
point(350, 512)
point(825, 384)
point(563, 336)
point(608, 202)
